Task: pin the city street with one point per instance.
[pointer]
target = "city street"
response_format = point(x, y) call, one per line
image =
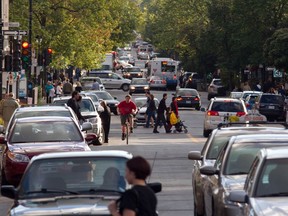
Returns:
point(167, 154)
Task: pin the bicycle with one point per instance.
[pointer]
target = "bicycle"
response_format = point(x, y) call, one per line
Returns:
point(127, 130)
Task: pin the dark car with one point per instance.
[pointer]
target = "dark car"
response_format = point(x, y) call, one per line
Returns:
point(138, 85)
point(272, 106)
point(132, 72)
point(75, 183)
point(187, 97)
point(192, 81)
point(185, 78)
point(36, 135)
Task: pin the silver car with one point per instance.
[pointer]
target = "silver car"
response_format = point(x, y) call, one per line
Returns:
point(266, 189)
point(89, 112)
point(231, 168)
point(73, 183)
point(210, 151)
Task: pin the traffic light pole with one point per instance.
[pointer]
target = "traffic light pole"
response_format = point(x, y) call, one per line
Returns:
point(30, 49)
point(1, 50)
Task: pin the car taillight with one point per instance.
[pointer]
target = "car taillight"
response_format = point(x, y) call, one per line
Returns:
point(174, 77)
point(212, 113)
point(164, 81)
point(239, 114)
point(179, 99)
point(196, 99)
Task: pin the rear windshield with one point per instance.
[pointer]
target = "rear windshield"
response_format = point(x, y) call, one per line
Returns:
point(217, 82)
point(229, 106)
point(276, 99)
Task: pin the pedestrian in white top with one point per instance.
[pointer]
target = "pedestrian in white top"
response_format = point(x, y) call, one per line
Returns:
point(95, 85)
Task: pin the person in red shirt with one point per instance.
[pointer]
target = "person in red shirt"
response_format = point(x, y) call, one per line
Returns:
point(126, 110)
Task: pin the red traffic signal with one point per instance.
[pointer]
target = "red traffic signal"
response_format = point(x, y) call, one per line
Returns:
point(49, 50)
point(25, 45)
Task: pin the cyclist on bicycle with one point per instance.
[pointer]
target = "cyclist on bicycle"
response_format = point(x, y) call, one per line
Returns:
point(126, 108)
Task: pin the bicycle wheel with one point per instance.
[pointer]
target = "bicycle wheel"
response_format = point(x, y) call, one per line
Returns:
point(127, 132)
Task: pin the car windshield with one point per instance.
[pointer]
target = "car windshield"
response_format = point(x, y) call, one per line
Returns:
point(241, 156)
point(215, 147)
point(227, 106)
point(186, 93)
point(33, 113)
point(93, 97)
point(273, 179)
point(85, 105)
point(45, 132)
point(217, 82)
point(132, 69)
point(139, 81)
point(75, 175)
point(104, 95)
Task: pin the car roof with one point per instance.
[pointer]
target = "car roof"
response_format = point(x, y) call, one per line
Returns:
point(42, 108)
point(44, 118)
point(275, 152)
point(225, 99)
point(261, 138)
point(101, 153)
point(68, 97)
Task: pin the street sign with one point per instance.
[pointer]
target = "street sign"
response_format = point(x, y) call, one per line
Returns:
point(13, 32)
point(14, 24)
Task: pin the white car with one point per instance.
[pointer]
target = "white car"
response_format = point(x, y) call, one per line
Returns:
point(89, 112)
point(141, 103)
point(87, 82)
point(213, 88)
point(221, 110)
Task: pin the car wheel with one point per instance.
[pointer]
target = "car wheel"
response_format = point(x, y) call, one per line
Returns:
point(101, 137)
point(125, 87)
point(206, 133)
point(198, 108)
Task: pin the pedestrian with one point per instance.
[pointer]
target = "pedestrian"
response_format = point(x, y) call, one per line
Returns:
point(58, 91)
point(151, 111)
point(48, 88)
point(162, 108)
point(78, 87)
point(73, 102)
point(95, 85)
point(147, 94)
point(140, 199)
point(246, 86)
point(7, 108)
point(174, 108)
point(67, 88)
point(105, 116)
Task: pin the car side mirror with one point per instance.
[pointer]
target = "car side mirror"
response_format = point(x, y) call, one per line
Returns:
point(86, 126)
point(9, 191)
point(209, 170)
point(195, 155)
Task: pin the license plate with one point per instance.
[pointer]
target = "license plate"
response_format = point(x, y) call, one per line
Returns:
point(188, 102)
point(271, 107)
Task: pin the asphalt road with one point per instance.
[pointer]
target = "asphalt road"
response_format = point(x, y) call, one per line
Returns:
point(167, 154)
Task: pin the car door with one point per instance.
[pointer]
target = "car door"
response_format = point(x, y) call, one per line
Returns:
point(115, 81)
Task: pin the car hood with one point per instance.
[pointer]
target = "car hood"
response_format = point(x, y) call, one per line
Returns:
point(233, 182)
point(32, 149)
point(66, 205)
point(274, 205)
point(112, 101)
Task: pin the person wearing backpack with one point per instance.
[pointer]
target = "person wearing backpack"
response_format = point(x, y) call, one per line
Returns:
point(140, 200)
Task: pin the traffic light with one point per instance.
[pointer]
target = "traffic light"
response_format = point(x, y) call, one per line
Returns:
point(8, 63)
point(26, 55)
point(16, 65)
point(47, 56)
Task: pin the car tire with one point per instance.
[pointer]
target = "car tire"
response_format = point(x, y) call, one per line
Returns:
point(101, 137)
point(198, 108)
point(125, 87)
point(206, 133)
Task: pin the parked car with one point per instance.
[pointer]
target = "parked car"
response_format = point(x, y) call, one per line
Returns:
point(231, 168)
point(138, 85)
point(216, 88)
point(245, 94)
point(111, 80)
point(94, 98)
point(75, 183)
point(141, 103)
point(272, 106)
point(188, 97)
point(133, 72)
point(210, 151)
point(36, 135)
point(89, 112)
point(155, 82)
point(87, 82)
point(37, 111)
point(265, 189)
point(111, 101)
point(222, 110)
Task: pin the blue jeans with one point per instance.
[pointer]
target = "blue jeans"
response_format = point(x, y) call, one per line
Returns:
point(149, 115)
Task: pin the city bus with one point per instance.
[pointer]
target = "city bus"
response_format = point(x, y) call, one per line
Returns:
point(166, 69)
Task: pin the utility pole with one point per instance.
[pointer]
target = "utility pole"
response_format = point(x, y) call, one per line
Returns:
point(1, 50)
point(29, 80)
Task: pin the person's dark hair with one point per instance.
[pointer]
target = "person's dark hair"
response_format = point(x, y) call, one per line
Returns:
point(164, 95)
point(74, 93)
point(152, 96)
point(140, 166)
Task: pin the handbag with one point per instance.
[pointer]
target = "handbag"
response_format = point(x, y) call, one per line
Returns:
point(173, 118)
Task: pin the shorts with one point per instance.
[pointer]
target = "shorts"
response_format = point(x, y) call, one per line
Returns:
point(123, 118)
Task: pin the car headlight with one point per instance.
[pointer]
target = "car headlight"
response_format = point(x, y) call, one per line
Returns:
point(18, 157)
point(146, 87)
point(132, 87)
